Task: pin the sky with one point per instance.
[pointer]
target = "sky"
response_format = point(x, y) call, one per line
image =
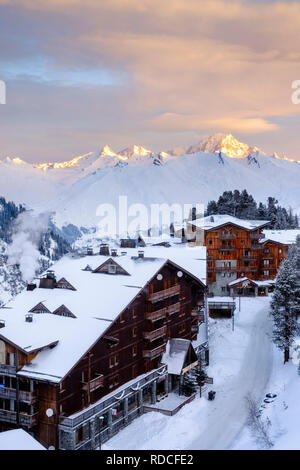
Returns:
point(80, 75)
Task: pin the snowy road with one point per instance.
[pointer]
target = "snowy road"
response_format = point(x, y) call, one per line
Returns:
point(229, 415)
point(241, 362)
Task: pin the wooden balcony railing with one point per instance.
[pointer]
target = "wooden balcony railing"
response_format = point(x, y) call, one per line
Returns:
point(157, 314)
point(28, 420)
point(226, 247)
point(199, 314)
point(249, 257)
point(174, 308)
point(152, 353)
point(152, 335)
point(27, 397)
point(227, 236)
point(256, 236)
point(7, 370)
point(164, 294)
point(8, 416)
point(221, 268)
point(94, 384)
point(9, 393)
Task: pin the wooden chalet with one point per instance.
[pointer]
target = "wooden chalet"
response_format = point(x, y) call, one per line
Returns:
point(75, 376)
point(238, 249)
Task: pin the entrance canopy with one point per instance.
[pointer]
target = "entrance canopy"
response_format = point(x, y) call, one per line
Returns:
point(179, 356)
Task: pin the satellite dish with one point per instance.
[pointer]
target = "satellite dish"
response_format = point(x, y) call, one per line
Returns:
point(49, 412)
point(51, 448)
point(179, 273)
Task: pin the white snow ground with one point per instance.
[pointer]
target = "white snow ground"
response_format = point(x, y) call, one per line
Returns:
point(241, 362)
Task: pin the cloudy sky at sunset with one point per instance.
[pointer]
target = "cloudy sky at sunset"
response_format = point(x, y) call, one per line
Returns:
point(81, 74)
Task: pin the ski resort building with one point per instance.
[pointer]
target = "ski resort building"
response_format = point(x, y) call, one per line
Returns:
point(81, 351)
point(239, 252)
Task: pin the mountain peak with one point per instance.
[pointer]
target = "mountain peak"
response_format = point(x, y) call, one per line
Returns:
point(135, 150)
point(225, 143)
point(106, 151)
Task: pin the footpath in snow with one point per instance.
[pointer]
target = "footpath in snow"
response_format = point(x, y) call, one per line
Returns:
point(240, 362)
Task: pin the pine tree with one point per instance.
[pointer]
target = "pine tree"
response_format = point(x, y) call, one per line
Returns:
point(286, 303)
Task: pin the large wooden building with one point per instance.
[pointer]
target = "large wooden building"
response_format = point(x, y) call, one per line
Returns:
point(81, 353)
point(238, 250)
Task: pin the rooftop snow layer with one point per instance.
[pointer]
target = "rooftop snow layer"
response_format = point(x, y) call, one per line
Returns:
point(18, 439)
point(213, 221)
point(98, 300)
point(286, 237)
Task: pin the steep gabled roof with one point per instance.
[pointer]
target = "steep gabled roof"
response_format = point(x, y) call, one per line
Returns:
point(64, 284)
point(104, 267)
point(39, 308)
point(64, 312)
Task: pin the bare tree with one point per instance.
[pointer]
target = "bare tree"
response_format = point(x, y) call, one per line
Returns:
point(260, 428)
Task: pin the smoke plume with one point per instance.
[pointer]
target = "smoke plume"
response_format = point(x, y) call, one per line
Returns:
point(23, 250)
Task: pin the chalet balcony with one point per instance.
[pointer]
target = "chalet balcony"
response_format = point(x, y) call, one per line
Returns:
point(227, 236)
point(173, 308)
point(164, 294)
point(249, 257)
point(199, 314)
point(257, 247)
point(256, 236)
point(247, 269)
point(94, 384)
point(7, 370)
point(9, 393)
point(152, 353)
point(268, 256)
point(157, 314)
point(226, 247)
point(152, 335)
point(8, 416)
point(27, 397)
point(28, 420)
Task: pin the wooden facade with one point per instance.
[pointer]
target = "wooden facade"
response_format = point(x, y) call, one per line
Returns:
point(168, 307)
point(234, 252)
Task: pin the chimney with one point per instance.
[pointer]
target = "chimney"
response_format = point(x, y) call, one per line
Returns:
point(104, 249)
point(31, 286)
point(2, 323)
point(141, 254)
point(29, 318)
point(212, 219)
point(114, 252)
point(89, 251)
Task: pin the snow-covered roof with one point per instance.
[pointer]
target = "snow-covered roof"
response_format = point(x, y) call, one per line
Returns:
point(18, 439)
point(217, 220)
point(98, 300)
point(265, 283)
point(286, 237)
point(175, 354)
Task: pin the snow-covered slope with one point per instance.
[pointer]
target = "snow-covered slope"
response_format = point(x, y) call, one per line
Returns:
point(199, 173)
point(194, 178)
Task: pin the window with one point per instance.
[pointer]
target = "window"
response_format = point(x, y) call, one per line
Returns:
point(114, 360)
point(112, 269)
point(12, 359)
point(266, 273)
point(247, 263)
point(242, 242)
point(210, 242)
point(2, 352)
point(267, 251)
point(280, 250)
point(134, 313)
point(134, 331)
point(134, 350)
point(223, 289)
point(266, 262)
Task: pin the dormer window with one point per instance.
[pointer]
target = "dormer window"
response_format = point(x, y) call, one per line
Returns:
point(112, 269)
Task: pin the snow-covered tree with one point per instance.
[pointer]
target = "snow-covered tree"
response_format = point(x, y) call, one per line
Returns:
point(285, 304)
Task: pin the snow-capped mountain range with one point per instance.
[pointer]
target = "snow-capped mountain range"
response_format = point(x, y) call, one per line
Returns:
point(198, 173)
